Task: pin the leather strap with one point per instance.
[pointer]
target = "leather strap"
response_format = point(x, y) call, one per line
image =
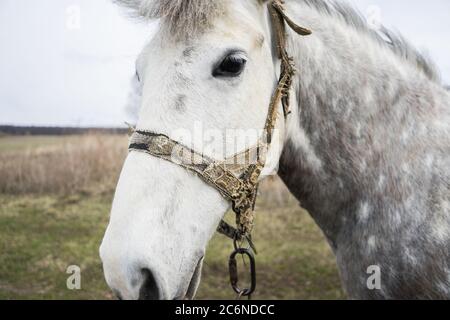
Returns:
point(240, 190)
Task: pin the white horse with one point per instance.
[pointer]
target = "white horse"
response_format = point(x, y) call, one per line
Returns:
point(366, 148)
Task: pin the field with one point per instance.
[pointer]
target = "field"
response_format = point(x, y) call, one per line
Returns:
point(55, 197)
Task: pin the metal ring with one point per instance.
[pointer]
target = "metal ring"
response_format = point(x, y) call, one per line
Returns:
point(234, 278)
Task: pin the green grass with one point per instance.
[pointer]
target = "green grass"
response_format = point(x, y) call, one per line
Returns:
point(40, 236)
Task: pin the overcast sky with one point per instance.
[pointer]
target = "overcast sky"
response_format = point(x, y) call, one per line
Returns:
point(56, 69)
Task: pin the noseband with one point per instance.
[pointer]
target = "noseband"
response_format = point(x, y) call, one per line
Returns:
point(234, 178)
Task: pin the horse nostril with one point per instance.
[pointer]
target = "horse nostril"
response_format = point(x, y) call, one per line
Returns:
point(149, 289)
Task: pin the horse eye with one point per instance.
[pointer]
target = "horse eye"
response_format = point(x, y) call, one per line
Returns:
point(231, 66)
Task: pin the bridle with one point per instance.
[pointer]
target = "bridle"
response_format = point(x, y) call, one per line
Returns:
point(235, 178)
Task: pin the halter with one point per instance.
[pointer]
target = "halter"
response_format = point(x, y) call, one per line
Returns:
point(233, 177)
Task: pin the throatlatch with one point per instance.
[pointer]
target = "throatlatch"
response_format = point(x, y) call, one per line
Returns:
point(235, 178)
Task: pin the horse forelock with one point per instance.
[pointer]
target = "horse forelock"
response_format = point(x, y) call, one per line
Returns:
point(180, 18)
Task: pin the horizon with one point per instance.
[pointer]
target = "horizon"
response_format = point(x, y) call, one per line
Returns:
point(86, 60)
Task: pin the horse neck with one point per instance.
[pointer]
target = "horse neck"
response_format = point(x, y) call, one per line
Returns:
point(361, 106)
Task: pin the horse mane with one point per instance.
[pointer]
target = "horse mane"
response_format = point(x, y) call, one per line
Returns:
point(184, 18)
point(388, 38)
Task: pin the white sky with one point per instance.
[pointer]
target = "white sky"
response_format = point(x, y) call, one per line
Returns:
point(54, 73)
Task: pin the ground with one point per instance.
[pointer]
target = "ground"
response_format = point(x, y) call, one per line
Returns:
point(41, 234)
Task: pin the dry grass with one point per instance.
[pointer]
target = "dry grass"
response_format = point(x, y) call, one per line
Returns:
point(66, 165)
point(63, 165)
